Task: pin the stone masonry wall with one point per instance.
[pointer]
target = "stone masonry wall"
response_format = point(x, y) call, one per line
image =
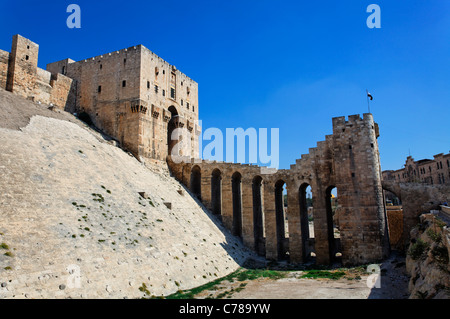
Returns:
point(20, 74)
point(128, 94)
point(416, 199)
point(347, 160)
point(131, 94)
point(139, 99)
point(4, 60)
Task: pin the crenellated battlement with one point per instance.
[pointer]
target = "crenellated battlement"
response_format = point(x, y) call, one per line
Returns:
point(348, 160)
point(20, 74)
point(140, 100)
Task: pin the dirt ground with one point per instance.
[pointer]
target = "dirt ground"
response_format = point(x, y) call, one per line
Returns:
point(354, 285)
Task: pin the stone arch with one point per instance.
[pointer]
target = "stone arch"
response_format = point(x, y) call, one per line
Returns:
point(195, 184)
point(236, 188)
point(171, 126)
point(332, 226)
point(280, 219)
point(258, 215)
point(306, 214)
point(395, 215)
point(216, 192)
point(392, 190)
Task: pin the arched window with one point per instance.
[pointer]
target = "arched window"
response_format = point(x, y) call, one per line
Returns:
point(258, 215)
point(236, 228)
point(195, 182)
point(280, 217)
point(331, 202)
point(306, 221)
point(171, 126)
point(216, 192)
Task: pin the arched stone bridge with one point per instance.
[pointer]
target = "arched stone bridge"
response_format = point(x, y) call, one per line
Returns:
point(416, 198)
point(250, 201)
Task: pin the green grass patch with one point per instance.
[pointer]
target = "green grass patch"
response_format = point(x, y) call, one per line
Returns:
point(243, 275)
point(315, 274)
point(239, 275)
point(190, 294)
point(252, 274)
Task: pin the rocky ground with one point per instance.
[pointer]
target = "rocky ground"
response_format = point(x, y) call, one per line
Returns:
point(427, 262)
point(355, 283)
point(80, 218)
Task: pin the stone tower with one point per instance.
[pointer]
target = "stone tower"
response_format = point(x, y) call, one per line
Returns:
point(250, 203)
point(22, 68)
point(20, 74)
point(137, 98)
point(362, 220)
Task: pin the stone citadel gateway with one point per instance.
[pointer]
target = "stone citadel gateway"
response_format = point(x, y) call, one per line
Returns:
point(138, 99)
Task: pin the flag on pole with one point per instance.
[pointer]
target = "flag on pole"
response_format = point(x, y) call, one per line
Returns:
point(369, 97)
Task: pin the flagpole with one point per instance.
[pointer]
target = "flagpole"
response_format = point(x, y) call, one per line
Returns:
point(368, 104)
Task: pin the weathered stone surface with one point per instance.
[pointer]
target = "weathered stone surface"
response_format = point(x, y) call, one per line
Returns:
point(132, 95)
point(137, 98)
point(72, 216)
point(347, 160)
point(416, 198)
point(427, 261)
point(19, 74)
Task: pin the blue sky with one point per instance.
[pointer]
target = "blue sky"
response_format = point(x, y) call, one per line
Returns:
point(291, 65)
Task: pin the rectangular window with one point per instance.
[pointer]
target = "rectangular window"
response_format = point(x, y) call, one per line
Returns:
point(99, 89)
point(156, 89)
point(124, 83)
point(187, 105)
point(148, 84)
point(172, 93)
point(164, 92)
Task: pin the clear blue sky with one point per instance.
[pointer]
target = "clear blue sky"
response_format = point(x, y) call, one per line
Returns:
point(291, 65)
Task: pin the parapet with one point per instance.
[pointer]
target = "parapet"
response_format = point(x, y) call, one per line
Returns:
point(340, 123)
point(24, 78)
